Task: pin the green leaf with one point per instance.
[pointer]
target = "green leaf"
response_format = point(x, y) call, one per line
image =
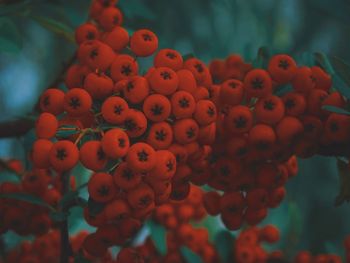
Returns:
point(224, 242)
point(335, 109)
point(344, 183)
point(342, 68)
point(324, 62)
point(27, 198)
point(10, 37)
point(190, 256)
point(341, 86)
point(6, 9)
point(158, 235)
point(56, 27)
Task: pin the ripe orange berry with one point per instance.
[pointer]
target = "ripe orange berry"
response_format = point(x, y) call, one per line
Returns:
point(168, 58)
point(187, 82)
point(269, 233)
point(183, 104)
point(180, 153)
point(205, 112)
point(165, 166)
point(303, 80)
point(294, 103)
point(231, 92)
point(198, 69)
point(40, 153)
point(101, 187)
point(288, 129)
point(282, 68)
point(86, 31)
point(160, 135)
point(99, 86)
point(51, 101)
point(262, 137)
point(185, 131)
point(117, 39)
point(258, 83)
point(46, 126)
point(114, 110)
point(92, 156)
point(315, 100)
point(141, 157)
point(143, 43)
point(77, 102)
point(99, 57)
point(126, 178)
point(110, 17)
point(239, 119)
point(64, 155)
point(93, 247)
point(116, 211)
point(257, 198)
point(254, 217)
point(323, 80)
point(136, 89)
point(164, 81)
point(337, 127)
point(141, 197)
point(135, 123)
point(75, 76)
point(157, 107)
point(123, 66)
point(269, 110)
point(211, 202)
point(115, 143)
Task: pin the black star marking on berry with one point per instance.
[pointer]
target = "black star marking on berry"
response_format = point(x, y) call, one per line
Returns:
point(160, 135)
point(269, 105)
point(90, 35)
point(147, 37)
point(262, 145)
point(128, 174)
point(171, 55)
point(121, 142)
point(233, 209)
point(143, 156)
point(283, 64)
point(211, 111)
point(257, 83)
point(103, 190)
point(61, 154)
point(184, 103)
point(191, 132)
point(233, 85)
point(170, 166)
point(241, 151)
point(240, 122)
point(74, 103)
point(144, 201)
point(166, 75)
point(309, 127)
point(126, 70)
point(157, 109)
point(199, 67)
point(130, 86)
point(94, 53)
point(32, 178)
point(118, 109)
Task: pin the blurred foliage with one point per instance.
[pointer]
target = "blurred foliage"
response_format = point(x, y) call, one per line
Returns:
point(36, 40)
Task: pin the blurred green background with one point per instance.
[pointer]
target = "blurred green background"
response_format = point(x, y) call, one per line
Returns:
point(31, 55)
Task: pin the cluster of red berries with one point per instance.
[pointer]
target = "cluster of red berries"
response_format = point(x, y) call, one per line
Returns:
point(149, 127)
point(307, 257)
point(46, 248)
point(195, 239)
point(259, 134)
point(27, 218)
point(248, 247)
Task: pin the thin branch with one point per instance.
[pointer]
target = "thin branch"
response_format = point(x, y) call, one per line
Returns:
point(15, 128)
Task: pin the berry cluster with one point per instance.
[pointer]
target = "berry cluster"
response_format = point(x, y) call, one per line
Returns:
point(26, 218)
point(248, 247)
point(307, 257)
point(265, 119)
point(46, 248)
point(136, 132)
